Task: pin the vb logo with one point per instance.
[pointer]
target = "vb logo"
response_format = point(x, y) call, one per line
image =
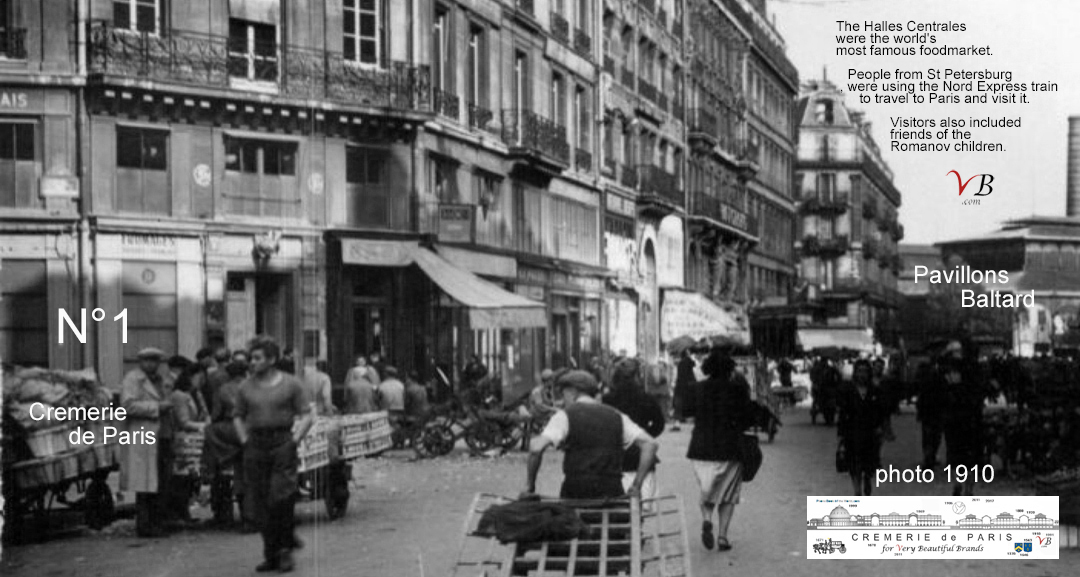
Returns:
point(1047, 541)
point(983, 184)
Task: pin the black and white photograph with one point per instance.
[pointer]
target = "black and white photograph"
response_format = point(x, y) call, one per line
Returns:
point(539, 288)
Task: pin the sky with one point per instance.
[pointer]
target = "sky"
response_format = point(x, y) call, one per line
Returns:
point(1037, 40)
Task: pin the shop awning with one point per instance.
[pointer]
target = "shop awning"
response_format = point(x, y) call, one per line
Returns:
point(855, 339)
point(490, 306)
point(692, 314)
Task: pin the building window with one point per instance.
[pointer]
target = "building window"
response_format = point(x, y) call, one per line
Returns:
point(365, 165)
point(141, 148)
point(266, 157)
point(521, 81)
point(253, 50)
point(441, 44)
point(444, 180)
point(24, 311)
point(137, 15)
point(581, 117)
point(19, 165)
point(558, 99)
point(363, 31)
point(826, 185)
point(487, 191)
point(476, 71)
point(823, 111)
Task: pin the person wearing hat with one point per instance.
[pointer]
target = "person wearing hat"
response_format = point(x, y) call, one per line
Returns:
point(594, 437)
point(145, 468)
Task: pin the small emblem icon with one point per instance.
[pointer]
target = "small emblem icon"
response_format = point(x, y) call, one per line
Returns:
point(1027, 547)
point(1019, 547)
point(959, 507)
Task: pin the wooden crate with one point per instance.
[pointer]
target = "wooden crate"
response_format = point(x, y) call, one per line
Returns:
point(51, 440)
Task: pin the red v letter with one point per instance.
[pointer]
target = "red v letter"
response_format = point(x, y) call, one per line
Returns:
point(961, 185)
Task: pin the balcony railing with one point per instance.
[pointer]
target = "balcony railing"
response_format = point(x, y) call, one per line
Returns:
point(583, 43)
point(836, 203)
point(447, 104)
point(677, 109)
point(582, 159)
point(533, 134)
point(709, 206)
point(479, 117)
point(825, 247)
point(627, 79)
point(609, 65)
point(869, 210)
point(628, 176)
point(13, 43)
point(897, 231)
point(610, 166)
point(869, 247)
point(526, 6)
point(884, 222)
point(661, 101)
point(657, 181)
point(646, 90)
point(560, 28)
point(703, 121)
point(203, 61)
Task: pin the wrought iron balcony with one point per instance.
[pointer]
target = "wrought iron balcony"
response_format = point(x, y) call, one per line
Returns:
point(835, 203)
point(713, 208)
point(825, 247)
point(646, 90)
point(609, 65)
point(869, 210)
point(582, 159)
point(532, 135)
point(479, 117)
point(628, 176)
point(627, 79)
point(583, 43)
point(885, 221)
point(13, 43)
point(677, 109)
point(203, 61)
point(897, 231)
point(447, 104)
point(657, 182)
point(560, 28)
point(869, 247)
point(526, 6)
point(886, 258)
point(703, 122)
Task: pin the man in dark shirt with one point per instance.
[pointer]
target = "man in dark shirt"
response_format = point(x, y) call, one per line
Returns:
point(267, 405)
point(629, 398)
point(594, 437)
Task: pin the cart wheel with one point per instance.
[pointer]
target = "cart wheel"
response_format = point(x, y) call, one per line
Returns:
point(435, 440)
point(99, 504)
point(481, 436)
point(510, 436)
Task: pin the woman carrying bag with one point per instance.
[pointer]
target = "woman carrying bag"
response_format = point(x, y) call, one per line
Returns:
point(722, 412)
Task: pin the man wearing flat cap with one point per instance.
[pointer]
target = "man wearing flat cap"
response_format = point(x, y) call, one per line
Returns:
point(594, 437)
point(146, 467)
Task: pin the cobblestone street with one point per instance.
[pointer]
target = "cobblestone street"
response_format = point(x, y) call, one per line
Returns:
point(405, 520)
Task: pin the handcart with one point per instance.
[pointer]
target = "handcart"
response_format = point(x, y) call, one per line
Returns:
point(33, 486)
point(328, 451)
point(628, 537)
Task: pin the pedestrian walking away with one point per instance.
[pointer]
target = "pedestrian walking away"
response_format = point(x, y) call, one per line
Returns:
point(723, 410)
point(863, 424)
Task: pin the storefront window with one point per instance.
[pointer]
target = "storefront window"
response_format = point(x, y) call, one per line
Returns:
point(19, 165)
point(24, 316)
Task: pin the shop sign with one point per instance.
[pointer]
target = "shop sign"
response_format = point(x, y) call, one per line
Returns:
point(14, 100)
point(146, 244)
point(532, 275)
point(733, 217)
point(620, 205)
point(456, 222)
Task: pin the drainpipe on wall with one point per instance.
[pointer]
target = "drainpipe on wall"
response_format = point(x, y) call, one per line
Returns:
point(89, 354)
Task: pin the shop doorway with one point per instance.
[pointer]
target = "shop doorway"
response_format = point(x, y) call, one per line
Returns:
point(258, 304)
point(369, 322)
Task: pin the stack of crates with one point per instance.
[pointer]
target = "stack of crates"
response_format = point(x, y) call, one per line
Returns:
point(364, 435)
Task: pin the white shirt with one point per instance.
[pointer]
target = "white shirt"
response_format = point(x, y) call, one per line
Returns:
point(558, 428)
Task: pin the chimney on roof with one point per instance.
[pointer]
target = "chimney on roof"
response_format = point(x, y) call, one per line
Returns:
point(1072, 173)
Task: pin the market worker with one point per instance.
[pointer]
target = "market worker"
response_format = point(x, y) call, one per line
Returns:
point(593, 437)
point(267, 405)
point(146, 467)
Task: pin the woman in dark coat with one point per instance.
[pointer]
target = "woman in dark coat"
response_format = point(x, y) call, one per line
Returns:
point(864, 422)
point(722, 411)
point(964, 393)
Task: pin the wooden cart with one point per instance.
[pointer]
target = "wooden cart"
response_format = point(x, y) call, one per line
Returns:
point(627, 537)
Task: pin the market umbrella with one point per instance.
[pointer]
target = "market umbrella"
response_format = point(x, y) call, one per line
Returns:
point(680, 344)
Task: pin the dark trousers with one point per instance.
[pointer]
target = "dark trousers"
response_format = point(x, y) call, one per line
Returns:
point(270, 475)
point(152, 510)
point(931, 440)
